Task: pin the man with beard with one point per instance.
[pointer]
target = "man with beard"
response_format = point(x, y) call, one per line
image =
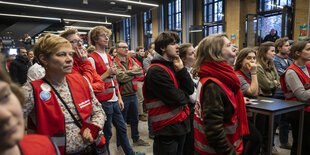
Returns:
point(167, 86)
point(19, 67)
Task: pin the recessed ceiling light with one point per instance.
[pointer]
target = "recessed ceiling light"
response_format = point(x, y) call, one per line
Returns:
point(34, 17)
point(64, 9)
point(87, 21)
point(139, 3)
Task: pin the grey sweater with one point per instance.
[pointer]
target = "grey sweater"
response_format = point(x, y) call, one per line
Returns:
point(294, 84)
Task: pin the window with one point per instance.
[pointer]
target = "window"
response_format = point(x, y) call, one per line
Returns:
point(213, 17)
point(147, 26)
point(269, 5)
point(127, 31)
point(175, 17)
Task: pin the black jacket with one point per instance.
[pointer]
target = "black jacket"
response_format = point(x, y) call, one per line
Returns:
point(18, 69)
point(160, 85)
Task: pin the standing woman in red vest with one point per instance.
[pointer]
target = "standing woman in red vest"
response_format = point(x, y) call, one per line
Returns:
point(295, 83)
point(63, 105)
point(220, 116)
point(13, 141)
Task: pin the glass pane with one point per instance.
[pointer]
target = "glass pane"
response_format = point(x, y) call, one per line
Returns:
point(220, 29)
point(268, 5)
point(274, 22)
point(210, 13)
point(215, 12)
point(210, 30)
point(220, 10)
point(205, 13)
point(169, 22)
point(169, 8)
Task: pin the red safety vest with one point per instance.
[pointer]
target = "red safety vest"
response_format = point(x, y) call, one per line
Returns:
point(37, 145)
point(49, 116)
point(160, 114)
point(231, 128)
point(102, 68)
point(134, 80)
point(304, 79)
point(140, 77)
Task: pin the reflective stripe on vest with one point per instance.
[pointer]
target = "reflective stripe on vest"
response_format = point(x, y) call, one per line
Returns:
point(210, 149)
point(167, 115)
point(227, 129)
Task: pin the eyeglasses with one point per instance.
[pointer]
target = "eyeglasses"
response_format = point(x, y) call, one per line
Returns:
point(126, 47)
point(76, 41)
point(105, 35)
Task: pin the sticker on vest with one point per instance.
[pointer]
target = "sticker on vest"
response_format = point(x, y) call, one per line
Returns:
point(307, 85)
point(45, 87)
point(45, 95)
point(84, 104)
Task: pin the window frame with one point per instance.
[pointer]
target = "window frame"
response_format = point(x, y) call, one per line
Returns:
point(212, 23)
point(174, 9)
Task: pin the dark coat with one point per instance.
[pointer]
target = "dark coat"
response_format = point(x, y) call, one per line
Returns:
point(160, 85)
point(18, 69)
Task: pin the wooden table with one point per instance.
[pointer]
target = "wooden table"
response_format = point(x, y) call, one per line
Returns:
point(272, 107)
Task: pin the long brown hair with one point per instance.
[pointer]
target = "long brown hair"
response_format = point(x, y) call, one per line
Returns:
point(241, 56)
point(4, 76)
point(262, 56)
point(210, 48)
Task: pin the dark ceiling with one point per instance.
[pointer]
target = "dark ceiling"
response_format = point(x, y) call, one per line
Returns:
point(93, 5)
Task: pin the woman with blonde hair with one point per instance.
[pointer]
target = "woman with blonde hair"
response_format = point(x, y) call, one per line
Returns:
point(219, 105)
point(63, 105)
point(13, 141)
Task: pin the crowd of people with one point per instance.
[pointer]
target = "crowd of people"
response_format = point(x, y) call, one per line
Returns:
point(193, 98)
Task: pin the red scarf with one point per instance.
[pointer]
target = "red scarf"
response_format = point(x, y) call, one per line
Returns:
point(225, 73)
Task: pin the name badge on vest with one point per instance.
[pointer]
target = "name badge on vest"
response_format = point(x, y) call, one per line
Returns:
point(307, 85)
point(45, 87)
point(45, 95)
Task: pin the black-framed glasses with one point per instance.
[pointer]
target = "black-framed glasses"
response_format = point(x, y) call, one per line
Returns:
point(125, 47)
point(76, 41)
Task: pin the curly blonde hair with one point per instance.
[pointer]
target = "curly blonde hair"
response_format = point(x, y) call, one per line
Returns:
point(94, 33)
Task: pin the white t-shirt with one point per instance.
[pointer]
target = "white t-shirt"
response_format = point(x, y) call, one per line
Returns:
point(105, 59)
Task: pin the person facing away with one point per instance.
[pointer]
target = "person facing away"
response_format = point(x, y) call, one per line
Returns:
point(19, 67)
point(272, 36)
point(167, 86)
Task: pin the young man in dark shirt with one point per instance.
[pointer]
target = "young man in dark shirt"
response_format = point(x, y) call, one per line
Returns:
point(167, 86)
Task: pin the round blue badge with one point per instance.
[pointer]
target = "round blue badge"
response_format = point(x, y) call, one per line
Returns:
point(45, 95)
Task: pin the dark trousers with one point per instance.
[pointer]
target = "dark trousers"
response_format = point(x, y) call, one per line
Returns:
point(293, 118)
point(262, 126)
point(189, 140)
point(168, 145)
point(253, 141)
